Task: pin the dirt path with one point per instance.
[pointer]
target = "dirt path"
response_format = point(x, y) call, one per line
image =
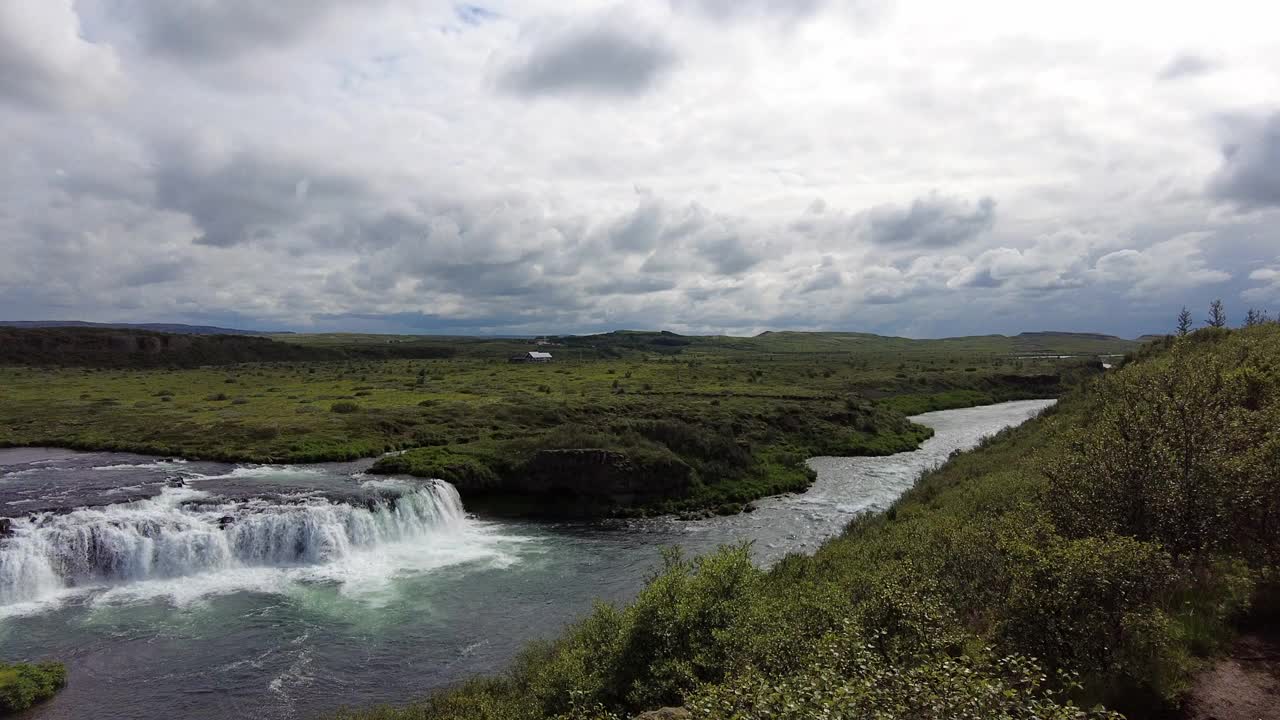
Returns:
point(1243, 686)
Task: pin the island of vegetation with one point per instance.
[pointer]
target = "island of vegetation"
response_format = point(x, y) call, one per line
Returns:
point(617, 424)
point(1095, 557)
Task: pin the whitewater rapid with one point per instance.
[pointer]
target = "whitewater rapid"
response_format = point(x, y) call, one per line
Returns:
point(185, 532)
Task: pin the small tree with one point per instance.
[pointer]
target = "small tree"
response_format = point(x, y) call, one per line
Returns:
point(1256, 317)
point(1217, 315)
point(1184, 321)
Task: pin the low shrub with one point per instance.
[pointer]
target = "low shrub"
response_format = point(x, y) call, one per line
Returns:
point(23, 685)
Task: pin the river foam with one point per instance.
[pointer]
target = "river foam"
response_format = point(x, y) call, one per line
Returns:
point(186, 543)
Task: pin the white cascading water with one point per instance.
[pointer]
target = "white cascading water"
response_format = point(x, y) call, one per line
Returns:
point(171, 536)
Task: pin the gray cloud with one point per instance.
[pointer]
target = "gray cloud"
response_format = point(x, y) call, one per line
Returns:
point(155, 274)
point(637, 285)
point(199, 30)
point(599, 60)
point(1250, 173)
point(826, 277)
point(248, 197)
point(979, 277)
point(933, 221)
point(1187, 65)
point(729, 254)
point(638, 231)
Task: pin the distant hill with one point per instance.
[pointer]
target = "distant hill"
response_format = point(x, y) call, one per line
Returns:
point(1070, 343)
point(175, 328)
point(133, 348)
point(796, 342)
point(102, 345)
point(1050, 334)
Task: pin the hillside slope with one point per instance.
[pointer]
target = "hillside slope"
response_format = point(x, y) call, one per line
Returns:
point(1096, 554)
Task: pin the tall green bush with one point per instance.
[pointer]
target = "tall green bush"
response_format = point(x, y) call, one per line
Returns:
point(23, 685)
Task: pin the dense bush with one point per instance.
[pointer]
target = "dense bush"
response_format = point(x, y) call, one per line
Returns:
point(1181, 450)
point(846, 678)
point(23, 685)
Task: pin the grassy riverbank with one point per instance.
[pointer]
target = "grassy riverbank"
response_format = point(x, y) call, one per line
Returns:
point(683, 423)
point(1097, 554)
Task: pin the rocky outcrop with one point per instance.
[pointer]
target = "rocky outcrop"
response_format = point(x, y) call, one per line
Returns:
point(605, 475)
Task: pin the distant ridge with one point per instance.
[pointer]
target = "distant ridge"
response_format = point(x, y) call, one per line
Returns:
point(176, 328)
point(1059, 333)
point(1028, 335)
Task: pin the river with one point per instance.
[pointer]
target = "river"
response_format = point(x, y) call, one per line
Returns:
point(288, 591)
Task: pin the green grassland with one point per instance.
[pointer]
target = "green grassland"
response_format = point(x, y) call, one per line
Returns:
point(1094, 557)
point(730, 420)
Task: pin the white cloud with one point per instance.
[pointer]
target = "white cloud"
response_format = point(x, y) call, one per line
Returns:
point(46, 62)
point(1269, 289)
point(1171, 265)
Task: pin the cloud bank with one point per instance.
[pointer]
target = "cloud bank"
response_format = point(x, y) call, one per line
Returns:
point(695, 165)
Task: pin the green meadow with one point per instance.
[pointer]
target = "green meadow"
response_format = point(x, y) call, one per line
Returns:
point(738, 416)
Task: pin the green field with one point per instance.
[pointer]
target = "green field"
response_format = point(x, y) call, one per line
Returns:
point(732, 419)
point(1097, 556)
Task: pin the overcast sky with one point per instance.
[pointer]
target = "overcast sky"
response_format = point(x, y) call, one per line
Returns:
point(526, 166)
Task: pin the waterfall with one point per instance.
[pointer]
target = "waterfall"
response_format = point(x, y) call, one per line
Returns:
point(184, 532)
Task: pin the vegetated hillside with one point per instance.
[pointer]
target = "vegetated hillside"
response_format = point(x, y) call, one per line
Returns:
point(125, 348)
point(1095, 554)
